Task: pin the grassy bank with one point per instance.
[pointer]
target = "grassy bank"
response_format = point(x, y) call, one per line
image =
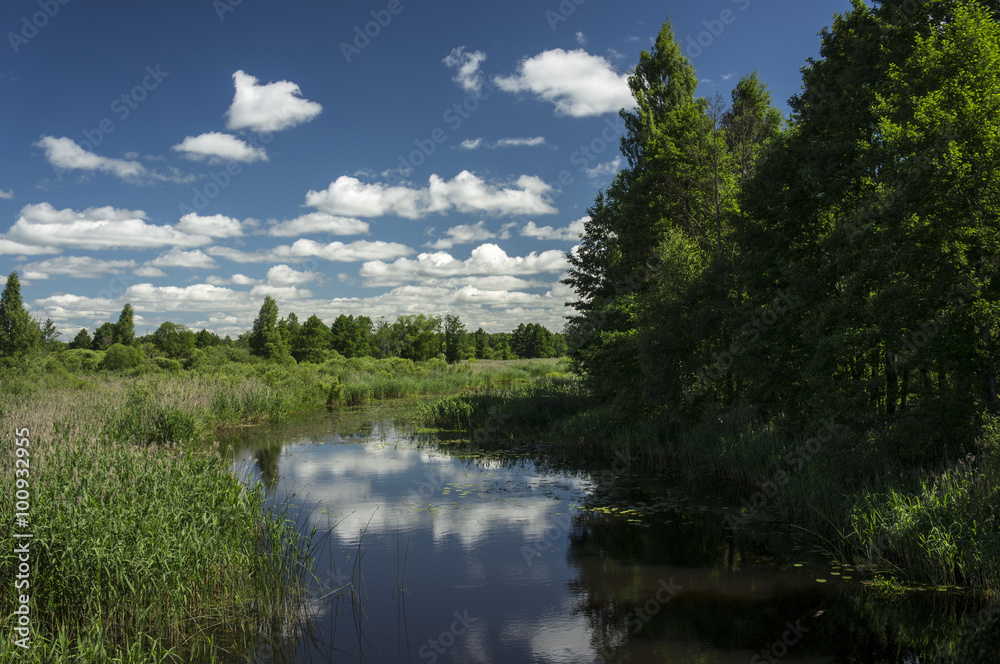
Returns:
point(145, 547)
point(914, 522)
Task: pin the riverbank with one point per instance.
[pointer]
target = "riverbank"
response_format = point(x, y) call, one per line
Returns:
point(902, 523)
point(145, 547)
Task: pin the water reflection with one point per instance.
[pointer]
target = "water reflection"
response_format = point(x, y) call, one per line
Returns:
point(448, 552)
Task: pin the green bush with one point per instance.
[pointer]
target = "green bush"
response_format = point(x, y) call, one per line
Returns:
point(120, 357)
point(168, 364)
point(79, 359)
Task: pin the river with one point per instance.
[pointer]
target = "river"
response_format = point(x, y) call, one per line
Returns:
point(438, 550)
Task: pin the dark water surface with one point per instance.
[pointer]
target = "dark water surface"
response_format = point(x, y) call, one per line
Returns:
point(444, 551)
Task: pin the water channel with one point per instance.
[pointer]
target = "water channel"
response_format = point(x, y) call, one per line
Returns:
point(439, 550)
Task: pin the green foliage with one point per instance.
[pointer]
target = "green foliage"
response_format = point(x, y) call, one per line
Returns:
point(312, 341)
point(125, 327)
point(81, 340)
point(265, 340)
point(120, 357)
point(19, 334)
point(174, 340)
point(81, 360)
point(104, 337)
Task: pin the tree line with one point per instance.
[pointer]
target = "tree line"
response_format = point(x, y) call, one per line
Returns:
point(417, 337)
point(839, 262)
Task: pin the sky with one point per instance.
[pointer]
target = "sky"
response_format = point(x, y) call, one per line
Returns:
point(374, 158)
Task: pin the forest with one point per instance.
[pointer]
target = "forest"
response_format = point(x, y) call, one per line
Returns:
point(173, 346)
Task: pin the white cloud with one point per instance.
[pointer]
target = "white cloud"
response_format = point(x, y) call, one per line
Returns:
point(64, 153)
point(467, 68)
point(577, 83)
point(463, 234)
point(729, 77)
point(470, 143)
point(79, 267)
point(45, 228)
point(486, 259)
point(521, 142)
point(149, 272)
point(7, 194)
point(581, 39)
point(218, 147)
point(465, 192)
point(283, 275)
point(570, 233)
point(318, 222)
point(216, 225)
point(360, 250)
point(236, 279)
point(270, 107)
point(608, 168)
point(178, 258)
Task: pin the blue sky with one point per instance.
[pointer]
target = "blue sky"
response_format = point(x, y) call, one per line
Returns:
point(377, 158)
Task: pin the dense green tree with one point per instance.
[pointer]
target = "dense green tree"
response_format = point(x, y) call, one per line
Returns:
point(19, 334)
point(174, 340)
point(455, 339)
point(288, 327)
point(206, 339)
point(419, 336)
point(125, 327)
point(265, 340)
point(81, 340)
point(312, 342)
point(353, 337)
point(104, 336)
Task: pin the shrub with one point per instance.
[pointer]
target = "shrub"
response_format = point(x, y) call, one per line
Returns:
point(120, 357)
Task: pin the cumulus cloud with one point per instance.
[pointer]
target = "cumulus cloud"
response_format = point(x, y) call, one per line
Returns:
point(318, 222)
point(7, 194)
point(466, 66)
point(149, 272)
point(78, 267)
point(465, 192)
point(300, 250)
point(269, 107)
point(486, 259)
point(63, 153)
point(283, 275)
point(577, 83)
point(236, 279)
point(215, 225)
point(178, 258)
point(470, 143)
point(570, 233)
point(43, 227)
point(463, 234)
point(217, 147)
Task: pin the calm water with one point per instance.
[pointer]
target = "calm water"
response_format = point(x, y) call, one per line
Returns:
point(442, 551)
